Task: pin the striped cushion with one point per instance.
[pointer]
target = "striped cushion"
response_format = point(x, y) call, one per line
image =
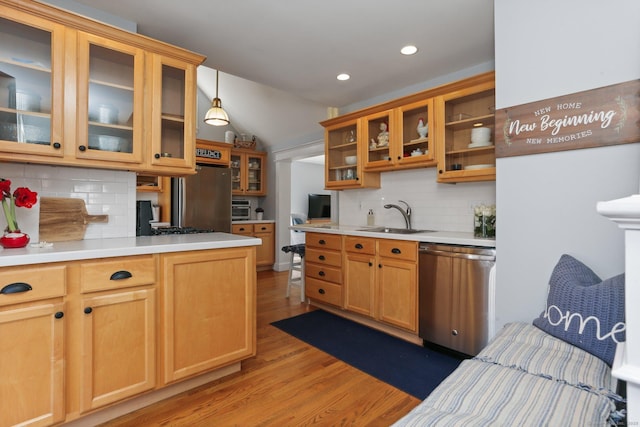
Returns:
point(525, 347)
point(485, 394)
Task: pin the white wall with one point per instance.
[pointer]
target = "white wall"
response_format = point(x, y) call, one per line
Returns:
point(306, 178)
point(546, 202)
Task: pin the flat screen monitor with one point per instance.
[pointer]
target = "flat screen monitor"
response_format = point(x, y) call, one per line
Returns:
point(319, 206)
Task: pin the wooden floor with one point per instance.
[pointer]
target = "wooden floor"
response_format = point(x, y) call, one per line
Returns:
point(288, 383)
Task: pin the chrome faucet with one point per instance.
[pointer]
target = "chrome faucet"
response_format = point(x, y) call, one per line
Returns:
point(405, 213)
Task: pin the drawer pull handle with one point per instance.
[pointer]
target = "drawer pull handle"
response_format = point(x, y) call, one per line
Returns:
point(321, 273)
point(370, 264)
point(16, 288)
point(322, 242)
point(59, 315)
point(121, 275)
point(321, 258)
point(396, 251)
point(359, 246)
point(88, 310)
point(241, 228)
point(321, 291)
point(263, 228)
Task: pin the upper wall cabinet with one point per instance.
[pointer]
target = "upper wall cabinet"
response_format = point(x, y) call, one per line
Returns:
point(31, 85)
point(465, 132)
point(450, 126)
point(344, 157)
point(76, 92)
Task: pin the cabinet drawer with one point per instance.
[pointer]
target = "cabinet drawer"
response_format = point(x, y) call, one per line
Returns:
point(263, 228)
point(322, 240)
point(323, 256)
point(399, 249)
point(360, 245)
point(244, 229)
point(45, 282)
point(323, 272)
point(118, 273)
point(320, 290)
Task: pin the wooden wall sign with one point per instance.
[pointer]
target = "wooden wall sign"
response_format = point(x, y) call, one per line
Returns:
point(605, 116)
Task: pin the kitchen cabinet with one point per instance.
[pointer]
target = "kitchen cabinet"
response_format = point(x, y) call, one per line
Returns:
point(406, 149)
point(32, 354)
point(323, 262)
point(381, 280)
point(31, 86)
point(457, 114)
point(118, 329)
point(76, 92)
point(248, 173)
point(265, 253)
point(344, 156)
point(208, 310)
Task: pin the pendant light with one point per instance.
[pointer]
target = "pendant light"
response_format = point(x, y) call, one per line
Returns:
point(216, 116)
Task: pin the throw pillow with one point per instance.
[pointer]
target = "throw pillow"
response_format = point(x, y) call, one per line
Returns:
point(583, 310)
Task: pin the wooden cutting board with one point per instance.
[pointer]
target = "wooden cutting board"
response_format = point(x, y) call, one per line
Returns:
point(63, 219)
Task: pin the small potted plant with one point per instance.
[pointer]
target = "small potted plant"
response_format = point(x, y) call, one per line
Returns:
point(22, 197)
point(259, 213)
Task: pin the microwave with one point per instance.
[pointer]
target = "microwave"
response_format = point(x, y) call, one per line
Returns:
point(240, 210)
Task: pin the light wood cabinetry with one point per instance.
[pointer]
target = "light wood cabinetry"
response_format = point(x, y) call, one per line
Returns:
point(381, 280)
point(208, 310)
point(265, 253)
point(342, 144)
point(450, 111)
point(76, 92)
point(117, 329)
point(457, 114)
point(323, 263)
point(405, 149)
point(32, 351)
point(248, 173)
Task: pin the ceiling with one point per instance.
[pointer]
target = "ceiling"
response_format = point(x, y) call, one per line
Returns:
point(297, 48)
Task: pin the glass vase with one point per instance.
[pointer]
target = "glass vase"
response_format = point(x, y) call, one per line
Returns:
point(484, 221)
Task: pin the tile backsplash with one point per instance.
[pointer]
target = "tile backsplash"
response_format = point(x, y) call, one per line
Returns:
point(104, 191)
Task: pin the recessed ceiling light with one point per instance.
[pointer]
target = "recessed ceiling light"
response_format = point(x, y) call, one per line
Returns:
point(343, 76)
point(409, 50)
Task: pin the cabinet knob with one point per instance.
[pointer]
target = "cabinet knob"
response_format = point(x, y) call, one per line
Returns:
point(56, 145)
point(321, 258)
point(59, 315)
point(379, 265)
point(370, 264)
point(321, 291)
point(439, 170)
point(88, 310)
point(399, 157)
point(121, 275)
point(321, 273)
point(82, 148)
point(322, 242)
point(454, 332)
point(157, 155)
point(16, 288)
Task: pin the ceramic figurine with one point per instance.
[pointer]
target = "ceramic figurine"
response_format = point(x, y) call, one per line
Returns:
point(423, 128)
point(383, 136)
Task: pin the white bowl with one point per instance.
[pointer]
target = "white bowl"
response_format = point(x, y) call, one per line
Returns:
point(350, 160)
point(480, 135)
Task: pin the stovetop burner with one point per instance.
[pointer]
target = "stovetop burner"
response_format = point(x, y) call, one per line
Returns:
point(159, 231)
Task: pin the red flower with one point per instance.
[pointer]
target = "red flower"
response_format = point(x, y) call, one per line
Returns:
point(5, 188)
point(25, 198)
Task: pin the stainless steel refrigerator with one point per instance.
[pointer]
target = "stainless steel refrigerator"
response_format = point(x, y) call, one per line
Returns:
point(203, 200)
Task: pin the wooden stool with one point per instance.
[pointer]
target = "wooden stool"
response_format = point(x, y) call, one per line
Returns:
point(296, 265)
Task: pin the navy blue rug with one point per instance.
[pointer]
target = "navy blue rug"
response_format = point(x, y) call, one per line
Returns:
point(411, 368)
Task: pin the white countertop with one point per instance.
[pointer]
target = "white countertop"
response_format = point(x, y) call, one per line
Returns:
point(447, 237)
point(253, 221)
point(125, 246)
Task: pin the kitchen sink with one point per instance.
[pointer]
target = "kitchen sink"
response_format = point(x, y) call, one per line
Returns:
point(395, 230)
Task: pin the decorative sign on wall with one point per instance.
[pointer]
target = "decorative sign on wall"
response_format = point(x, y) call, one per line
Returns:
point(605, 116)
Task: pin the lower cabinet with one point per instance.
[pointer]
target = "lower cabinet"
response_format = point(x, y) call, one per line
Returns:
point(208, 310)
point(32, 346)
point(323, 261)
point(381, 280)
point(265, 253)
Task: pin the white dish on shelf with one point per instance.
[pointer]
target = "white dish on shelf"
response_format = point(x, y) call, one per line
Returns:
point(474, 167)
point(480, 144)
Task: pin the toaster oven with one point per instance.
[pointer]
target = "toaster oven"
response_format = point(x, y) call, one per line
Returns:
point(240, 210)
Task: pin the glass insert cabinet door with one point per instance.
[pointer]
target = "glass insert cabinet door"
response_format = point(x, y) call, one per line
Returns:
point(173, 107)
point(110, 99)
point(27, 85)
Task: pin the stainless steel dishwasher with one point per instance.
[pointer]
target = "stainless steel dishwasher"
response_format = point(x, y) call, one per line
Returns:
point(454, 290)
